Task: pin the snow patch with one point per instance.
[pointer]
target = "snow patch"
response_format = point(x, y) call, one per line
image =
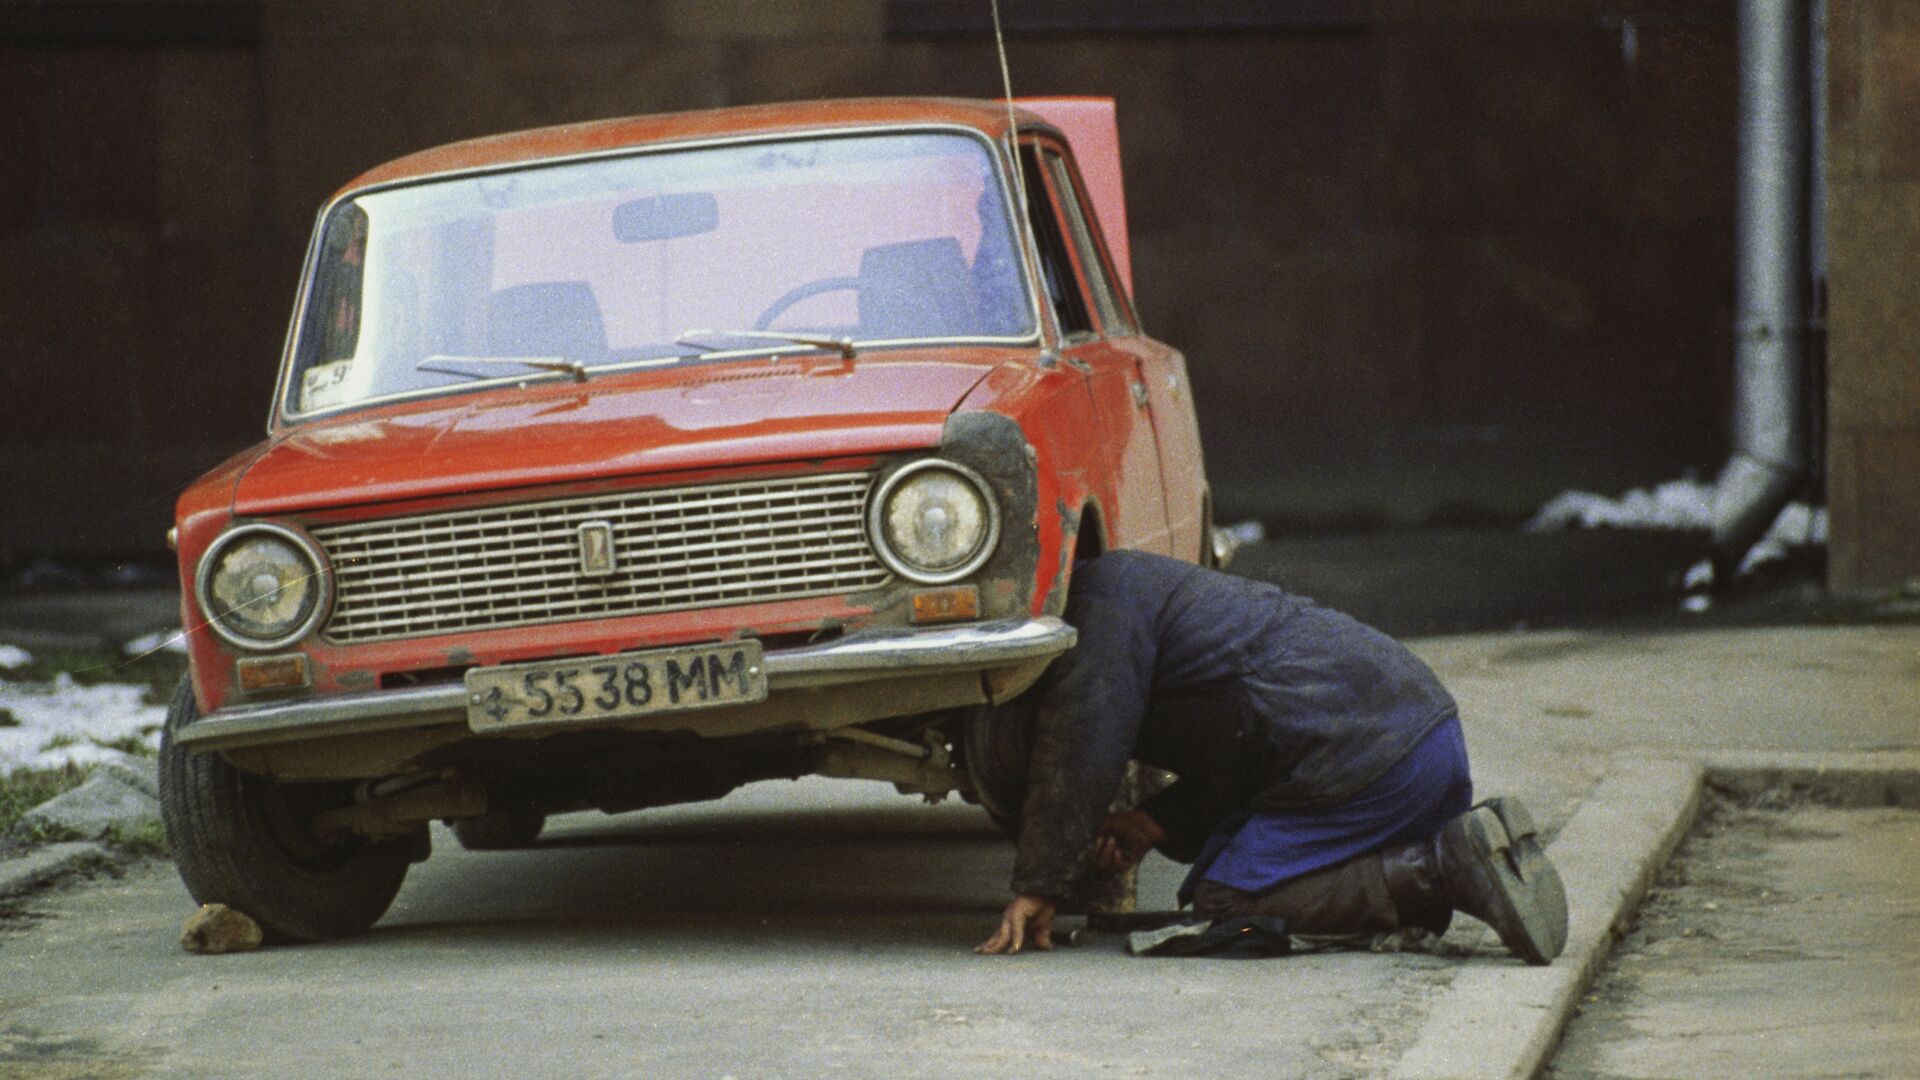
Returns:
point(1679, 504)
point(54, 723)
point(1228, 539)
point(13, 656)
point(1676, 504)
point(173, 641)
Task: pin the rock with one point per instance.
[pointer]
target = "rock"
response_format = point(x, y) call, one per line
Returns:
point(217, 928)
point(48, 862)
point(106, 800)
point(141, 774)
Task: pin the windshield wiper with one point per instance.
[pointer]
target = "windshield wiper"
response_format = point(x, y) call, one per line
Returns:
point(843, 346)
point(545, 363)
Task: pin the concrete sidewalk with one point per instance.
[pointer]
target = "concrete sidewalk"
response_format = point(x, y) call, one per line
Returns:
point(1608, 734)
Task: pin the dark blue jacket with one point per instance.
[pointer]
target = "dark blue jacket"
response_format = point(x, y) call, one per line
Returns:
point(1260, 700)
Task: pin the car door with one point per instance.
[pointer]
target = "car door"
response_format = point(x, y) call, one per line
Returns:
point(1098, 338)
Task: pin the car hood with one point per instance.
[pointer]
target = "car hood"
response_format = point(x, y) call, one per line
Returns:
point(694, 417)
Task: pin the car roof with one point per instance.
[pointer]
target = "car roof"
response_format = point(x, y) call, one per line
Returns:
point(597, 136)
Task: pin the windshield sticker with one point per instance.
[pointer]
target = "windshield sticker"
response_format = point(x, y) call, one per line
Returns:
point(326, 385)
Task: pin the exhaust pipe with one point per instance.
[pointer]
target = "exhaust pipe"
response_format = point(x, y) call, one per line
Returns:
point(1773, 283)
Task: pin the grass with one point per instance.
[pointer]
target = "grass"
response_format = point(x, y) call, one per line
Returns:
point(147, 838)
point(159, 671)
point(23, 789)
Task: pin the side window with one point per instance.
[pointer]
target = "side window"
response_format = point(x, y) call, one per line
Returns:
point(1113, 312)
point(1063, 289)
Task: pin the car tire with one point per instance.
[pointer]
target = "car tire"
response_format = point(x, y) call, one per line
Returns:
point(501, 830)
point(240, 839)
point(996, 744)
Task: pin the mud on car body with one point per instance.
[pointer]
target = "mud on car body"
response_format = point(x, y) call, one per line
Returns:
point(620, 464)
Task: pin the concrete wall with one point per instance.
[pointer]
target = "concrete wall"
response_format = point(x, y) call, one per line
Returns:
point(1873, 320)
point(1445, 257)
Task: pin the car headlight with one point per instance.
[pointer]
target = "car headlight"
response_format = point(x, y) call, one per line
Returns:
point(261, 586)
point(934, 521)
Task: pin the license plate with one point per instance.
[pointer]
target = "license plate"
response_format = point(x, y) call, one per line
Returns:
point(594, 688)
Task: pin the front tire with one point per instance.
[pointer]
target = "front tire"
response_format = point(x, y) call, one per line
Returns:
point(242, 840)
point(996, 742)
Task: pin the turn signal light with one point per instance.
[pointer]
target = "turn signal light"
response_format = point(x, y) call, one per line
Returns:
point(272, 672)
point(956, 604)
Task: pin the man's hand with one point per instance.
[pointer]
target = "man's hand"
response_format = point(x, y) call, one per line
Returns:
point(1026, 917)
point(1125, 839)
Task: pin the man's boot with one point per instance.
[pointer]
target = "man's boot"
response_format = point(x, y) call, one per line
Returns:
point(1488, 863)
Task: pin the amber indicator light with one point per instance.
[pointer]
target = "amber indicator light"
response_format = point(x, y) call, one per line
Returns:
point(946, 605)
point(272, 672)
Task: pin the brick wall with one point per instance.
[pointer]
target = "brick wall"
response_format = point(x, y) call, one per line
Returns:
point(1439, 257)
point(1873, 320)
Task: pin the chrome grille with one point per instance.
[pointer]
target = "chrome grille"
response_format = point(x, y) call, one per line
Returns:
point(675, 548)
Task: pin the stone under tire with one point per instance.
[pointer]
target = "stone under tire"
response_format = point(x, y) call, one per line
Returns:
point(501, 830)
point(238, 839)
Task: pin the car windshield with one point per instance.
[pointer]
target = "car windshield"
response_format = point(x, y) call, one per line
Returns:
point(655, 258)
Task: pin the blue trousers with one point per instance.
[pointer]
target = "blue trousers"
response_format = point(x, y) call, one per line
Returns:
point(1413, 800)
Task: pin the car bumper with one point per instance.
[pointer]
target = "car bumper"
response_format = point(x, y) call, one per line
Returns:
point(868, 657)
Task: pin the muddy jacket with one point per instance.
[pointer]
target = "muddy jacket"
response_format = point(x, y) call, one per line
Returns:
point(1260, 700)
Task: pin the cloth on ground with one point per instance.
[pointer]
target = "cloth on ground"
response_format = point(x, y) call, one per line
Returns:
point(1246, 937)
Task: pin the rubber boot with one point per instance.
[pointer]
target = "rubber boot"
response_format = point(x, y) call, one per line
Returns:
point(1347, 898)
point(1488, 863)
point(1413, 881)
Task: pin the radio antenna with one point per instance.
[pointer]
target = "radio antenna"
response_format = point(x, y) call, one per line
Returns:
point(1013, 144)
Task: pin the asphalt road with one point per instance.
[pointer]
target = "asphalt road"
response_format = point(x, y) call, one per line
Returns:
point(814, 928)
point(797, 929)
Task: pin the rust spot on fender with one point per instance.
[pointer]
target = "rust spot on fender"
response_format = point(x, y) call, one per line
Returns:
point(1056, 602)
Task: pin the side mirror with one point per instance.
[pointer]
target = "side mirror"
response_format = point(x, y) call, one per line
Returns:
point(666, 217)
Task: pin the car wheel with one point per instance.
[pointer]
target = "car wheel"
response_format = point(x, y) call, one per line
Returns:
point(242, 840)
point(996, 743)
point(501, 830)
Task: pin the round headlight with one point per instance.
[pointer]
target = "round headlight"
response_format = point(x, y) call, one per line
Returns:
point(934, 521)
point(261, 586)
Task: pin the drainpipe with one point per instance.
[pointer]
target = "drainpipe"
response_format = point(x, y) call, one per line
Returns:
point(1772, 283)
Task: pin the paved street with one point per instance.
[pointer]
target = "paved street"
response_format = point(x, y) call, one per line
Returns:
point(806, 929)
point(802, 929)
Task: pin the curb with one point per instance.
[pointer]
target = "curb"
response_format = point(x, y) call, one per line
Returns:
point(1505, 1022)
point(1501, 1020)
point(1848, 777)
point(44, 864)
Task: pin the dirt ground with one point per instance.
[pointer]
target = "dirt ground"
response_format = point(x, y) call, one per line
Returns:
point(1783, 939)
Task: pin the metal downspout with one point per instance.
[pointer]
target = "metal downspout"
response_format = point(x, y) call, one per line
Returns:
point(1772, 282)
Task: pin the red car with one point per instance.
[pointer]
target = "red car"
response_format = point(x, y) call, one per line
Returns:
point(619, 464)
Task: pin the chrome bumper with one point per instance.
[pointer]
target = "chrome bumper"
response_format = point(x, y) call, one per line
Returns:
point(864, 657)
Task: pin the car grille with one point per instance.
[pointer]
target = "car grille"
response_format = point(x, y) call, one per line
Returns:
point(676, 548)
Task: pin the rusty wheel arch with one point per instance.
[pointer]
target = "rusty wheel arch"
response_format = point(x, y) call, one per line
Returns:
point(1090, 538)
point(1208, 556)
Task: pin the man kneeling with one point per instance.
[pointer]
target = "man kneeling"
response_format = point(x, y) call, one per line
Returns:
point(1322, 771)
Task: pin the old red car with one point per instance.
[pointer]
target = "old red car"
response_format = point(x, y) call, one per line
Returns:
point(619, 464)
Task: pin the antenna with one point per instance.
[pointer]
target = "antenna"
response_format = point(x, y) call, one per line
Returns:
point(1013, 145)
